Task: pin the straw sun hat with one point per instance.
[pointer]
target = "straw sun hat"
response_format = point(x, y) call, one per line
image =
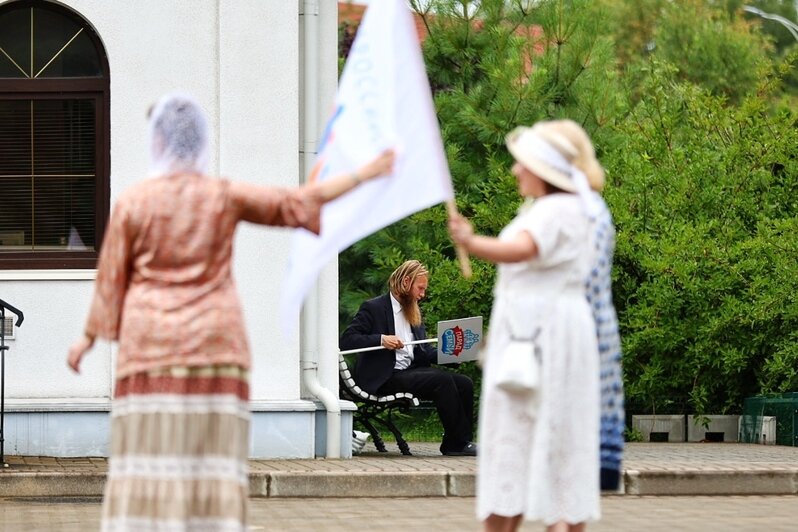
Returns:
point(545, 153)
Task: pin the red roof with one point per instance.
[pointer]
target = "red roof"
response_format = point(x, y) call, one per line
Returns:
point(353, 13)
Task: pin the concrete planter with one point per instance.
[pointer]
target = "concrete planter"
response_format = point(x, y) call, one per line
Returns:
point(660, 428)
point(725, 428)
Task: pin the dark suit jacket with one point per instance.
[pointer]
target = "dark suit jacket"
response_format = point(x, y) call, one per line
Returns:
point(373, 368)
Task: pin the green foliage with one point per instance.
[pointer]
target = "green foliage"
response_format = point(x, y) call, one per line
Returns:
point(704, 200)
point(687, 108)
point(709, 48)
point(631, 26)
point(491, 69)
point(784, 41)
point(346, 35)
point(709, 43)
point(782, 38)
point(633, 435)
point(418, 424)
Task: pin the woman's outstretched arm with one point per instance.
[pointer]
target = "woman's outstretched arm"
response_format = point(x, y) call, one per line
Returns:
point(334, 187)
point(521, 248)
point(300, 206)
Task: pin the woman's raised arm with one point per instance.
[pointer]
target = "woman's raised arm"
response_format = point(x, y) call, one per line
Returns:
point(334, 187)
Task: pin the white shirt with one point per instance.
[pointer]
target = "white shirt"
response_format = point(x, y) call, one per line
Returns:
point(404, 356)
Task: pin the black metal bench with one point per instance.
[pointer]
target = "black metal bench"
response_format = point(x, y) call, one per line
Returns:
point(373, 408)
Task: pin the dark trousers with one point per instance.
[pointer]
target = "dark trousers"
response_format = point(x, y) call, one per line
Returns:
point(452, 393)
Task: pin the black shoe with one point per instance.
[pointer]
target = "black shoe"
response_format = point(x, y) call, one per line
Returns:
point(470, 449)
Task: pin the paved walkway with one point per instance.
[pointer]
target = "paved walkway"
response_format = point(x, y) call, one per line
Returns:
point(756, 513)
point(649, 469)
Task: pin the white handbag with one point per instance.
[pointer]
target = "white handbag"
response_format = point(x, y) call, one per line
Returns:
point(519, 369)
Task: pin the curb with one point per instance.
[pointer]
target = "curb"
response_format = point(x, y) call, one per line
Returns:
point(272, 484)
point(357, 484)
point(721, 482)
point(52, 484)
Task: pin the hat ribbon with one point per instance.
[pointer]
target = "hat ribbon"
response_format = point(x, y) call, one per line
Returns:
point(543, 151)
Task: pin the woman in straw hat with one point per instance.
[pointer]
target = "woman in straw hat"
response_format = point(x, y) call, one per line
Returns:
point(164, 290)
point(541, 457)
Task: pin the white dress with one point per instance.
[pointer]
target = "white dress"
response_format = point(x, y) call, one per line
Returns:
point(539, 454)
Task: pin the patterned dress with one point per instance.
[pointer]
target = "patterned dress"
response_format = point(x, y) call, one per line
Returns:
point(164, 290)
point(599, 294)
point(539, 453)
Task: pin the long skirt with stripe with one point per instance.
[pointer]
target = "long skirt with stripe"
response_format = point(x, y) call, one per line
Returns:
point(179, 446)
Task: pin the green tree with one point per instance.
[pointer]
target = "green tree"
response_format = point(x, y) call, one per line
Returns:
point(710, 43)
point(492, 68)
point(783, 38)
point(686, 107)
point(710, 47)
point(704, 200)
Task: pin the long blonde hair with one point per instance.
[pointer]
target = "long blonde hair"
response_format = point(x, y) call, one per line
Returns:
point(412, 270)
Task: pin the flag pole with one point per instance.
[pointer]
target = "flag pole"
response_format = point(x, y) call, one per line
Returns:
point(462, 254)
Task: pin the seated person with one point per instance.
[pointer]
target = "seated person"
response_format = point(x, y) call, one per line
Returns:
point(391, 320)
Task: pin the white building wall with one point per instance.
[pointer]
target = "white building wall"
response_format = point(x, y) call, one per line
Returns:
point(241, 60)
point(328, 280)
point(36, 370)
point(259, 142)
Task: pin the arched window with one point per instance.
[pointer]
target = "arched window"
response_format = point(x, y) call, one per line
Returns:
point(54, 137)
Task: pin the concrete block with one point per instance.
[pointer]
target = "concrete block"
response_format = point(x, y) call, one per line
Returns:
point(728, 482)
point(671, 426)
point(360, 484)
point(277, 430)
point(282, 434)
point(726, 427)
point(259, 484)
point(346, 422)
point(462, 484)
point(61, 434)
point(52, 485)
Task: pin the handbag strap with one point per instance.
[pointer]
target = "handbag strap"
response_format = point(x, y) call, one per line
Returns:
point(531, 339)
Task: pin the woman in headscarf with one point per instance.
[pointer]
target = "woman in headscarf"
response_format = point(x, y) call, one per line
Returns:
point(164, 291)
point(540, 449)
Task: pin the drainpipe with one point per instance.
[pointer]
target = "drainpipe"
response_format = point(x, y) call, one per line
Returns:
point(311, 315)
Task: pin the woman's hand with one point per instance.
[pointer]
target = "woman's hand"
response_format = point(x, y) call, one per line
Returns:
point(460, 230)
point(77, 350)
point(380, 165)
point(332, 188)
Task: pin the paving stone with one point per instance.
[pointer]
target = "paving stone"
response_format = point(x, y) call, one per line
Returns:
point(650, 469)
point(619, 514)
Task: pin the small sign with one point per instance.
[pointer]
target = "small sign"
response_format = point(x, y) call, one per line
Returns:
point(459, 340)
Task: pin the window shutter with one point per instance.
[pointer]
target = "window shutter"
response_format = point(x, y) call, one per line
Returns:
point(54, 137)
point(47, 175)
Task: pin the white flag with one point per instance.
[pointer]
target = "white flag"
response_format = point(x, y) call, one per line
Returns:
point(383, 101)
